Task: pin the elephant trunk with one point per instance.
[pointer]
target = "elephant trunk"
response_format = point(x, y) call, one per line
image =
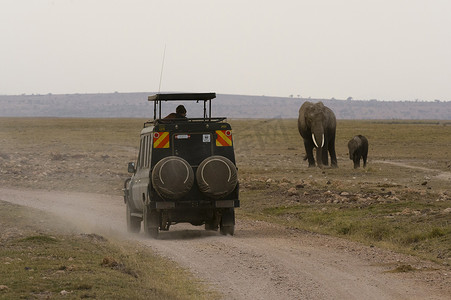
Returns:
point(319, 157)
point(314, 140)
point(318, 140)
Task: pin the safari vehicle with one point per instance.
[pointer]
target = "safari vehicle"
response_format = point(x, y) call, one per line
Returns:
point(185, 172)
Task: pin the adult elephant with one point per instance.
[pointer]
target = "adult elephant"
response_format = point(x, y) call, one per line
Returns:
point(317, 125)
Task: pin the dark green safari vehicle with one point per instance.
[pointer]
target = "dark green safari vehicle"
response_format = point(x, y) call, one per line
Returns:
point(185, 171)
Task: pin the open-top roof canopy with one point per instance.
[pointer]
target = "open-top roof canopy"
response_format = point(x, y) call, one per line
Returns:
point(157, 100)
point(182, 97)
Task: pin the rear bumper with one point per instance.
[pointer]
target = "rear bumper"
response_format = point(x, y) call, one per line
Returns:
point(201, 204)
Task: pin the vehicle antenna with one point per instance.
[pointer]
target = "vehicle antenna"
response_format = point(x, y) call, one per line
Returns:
point(162, 65)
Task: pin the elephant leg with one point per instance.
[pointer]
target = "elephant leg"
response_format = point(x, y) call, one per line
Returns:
point(325, 157)
point(309, 153)
point(333, 154)
point(356, 161)
point(364, 160)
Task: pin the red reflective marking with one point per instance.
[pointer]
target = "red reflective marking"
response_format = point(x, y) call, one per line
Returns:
point(222, 141)
point(164, 142)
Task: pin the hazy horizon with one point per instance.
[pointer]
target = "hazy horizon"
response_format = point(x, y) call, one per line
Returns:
point(384, 50)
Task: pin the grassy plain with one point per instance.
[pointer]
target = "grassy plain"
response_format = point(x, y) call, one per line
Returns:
point(401, 201)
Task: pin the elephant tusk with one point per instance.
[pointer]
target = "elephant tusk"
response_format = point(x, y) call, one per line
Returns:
point(322, 144)
point(314, 141)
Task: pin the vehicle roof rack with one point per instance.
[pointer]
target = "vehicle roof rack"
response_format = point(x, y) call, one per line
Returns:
point(158, 98)
point(182, 96)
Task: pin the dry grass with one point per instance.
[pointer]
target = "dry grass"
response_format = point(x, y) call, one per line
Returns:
point(400, 201)
point(40, 262)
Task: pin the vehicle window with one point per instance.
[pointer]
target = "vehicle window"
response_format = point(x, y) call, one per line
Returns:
point(141, 153)
point(147, 158)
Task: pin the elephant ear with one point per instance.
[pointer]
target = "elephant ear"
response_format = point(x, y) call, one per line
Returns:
point(305, 107)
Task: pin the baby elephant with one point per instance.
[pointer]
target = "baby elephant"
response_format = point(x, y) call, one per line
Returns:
point(358, 148)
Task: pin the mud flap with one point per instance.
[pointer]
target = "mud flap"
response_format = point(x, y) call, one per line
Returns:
point(227, 225)
point(151, 222)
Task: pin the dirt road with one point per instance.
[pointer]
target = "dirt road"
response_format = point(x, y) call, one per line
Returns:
point(262, 261)
point(446, 176)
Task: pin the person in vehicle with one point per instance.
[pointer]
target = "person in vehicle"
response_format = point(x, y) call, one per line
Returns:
point(180, 113)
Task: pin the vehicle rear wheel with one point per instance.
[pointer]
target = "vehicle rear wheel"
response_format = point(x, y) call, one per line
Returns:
point(151, 220)
point(227, 225)
point(211, 226)
point(133, 223)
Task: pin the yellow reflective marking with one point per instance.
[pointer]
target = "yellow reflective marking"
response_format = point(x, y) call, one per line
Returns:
point(227, 139)
point(160, 139)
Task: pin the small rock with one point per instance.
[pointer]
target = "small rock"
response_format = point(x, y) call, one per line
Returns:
point(344, 194)
point(3, 287)
point(64, 293)
point(424, 183)
point(292, 192)
point(447, 210)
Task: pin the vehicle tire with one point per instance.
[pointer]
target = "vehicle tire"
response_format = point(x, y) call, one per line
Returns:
point(126, 189)
point(211, 226)
point(227, 225)
point(216, 176)
point(172, 177)
point(133, 223)
point(151, 222)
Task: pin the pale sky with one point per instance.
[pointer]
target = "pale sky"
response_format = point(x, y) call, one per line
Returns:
point(365, 49)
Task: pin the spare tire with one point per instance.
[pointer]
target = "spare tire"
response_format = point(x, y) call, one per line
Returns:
point(172, 177)
point(216, 177)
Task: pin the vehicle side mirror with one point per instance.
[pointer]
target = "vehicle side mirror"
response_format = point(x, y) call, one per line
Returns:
point(131, 167)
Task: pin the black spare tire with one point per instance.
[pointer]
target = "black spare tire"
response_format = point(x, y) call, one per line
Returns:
point(216, 177)
point(172, 177)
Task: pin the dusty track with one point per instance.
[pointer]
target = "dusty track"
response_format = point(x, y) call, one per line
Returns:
point(262, 261)
point(446, 176)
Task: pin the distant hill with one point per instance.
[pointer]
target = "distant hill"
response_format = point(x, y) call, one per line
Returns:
point(135, 105)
